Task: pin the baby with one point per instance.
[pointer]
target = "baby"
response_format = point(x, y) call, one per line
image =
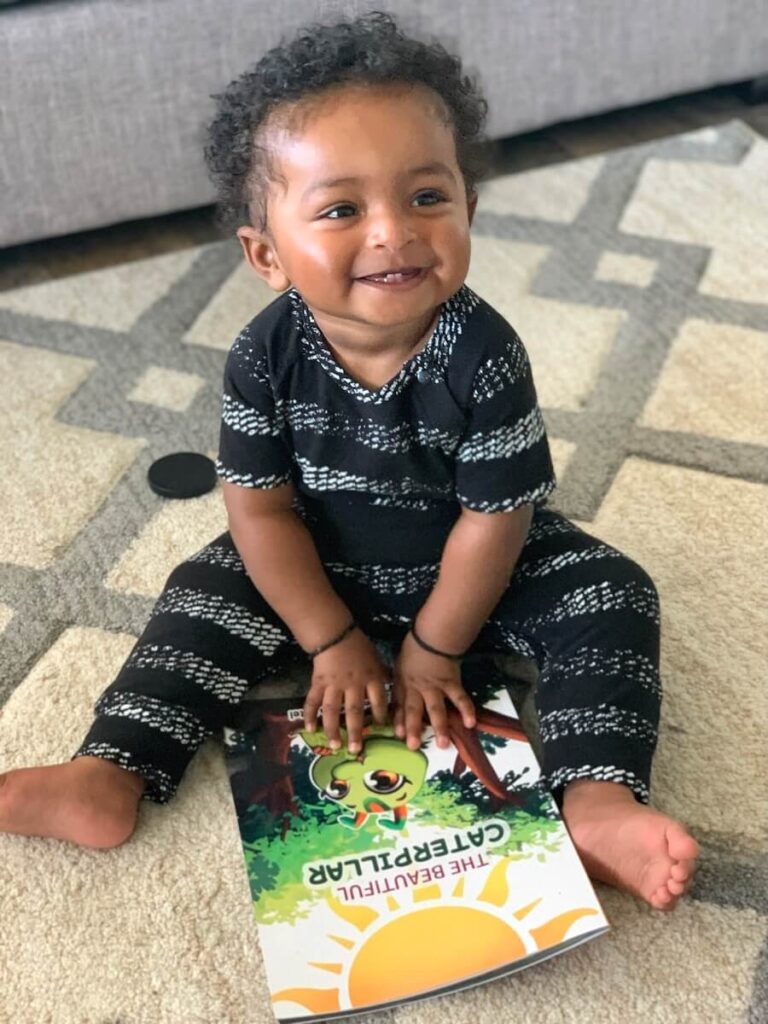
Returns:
point(385, 470)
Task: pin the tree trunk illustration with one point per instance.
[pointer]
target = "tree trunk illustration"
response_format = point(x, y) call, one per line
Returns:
point(274, 788)
point(471, 753)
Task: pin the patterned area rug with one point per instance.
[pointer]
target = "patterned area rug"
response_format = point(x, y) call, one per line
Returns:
point(638, 281)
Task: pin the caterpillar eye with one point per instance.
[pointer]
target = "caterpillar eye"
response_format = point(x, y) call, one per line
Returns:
point(337, 789)
point(383, 781)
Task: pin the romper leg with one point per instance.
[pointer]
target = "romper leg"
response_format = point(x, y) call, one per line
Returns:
point(589, 616)
point(210, 637)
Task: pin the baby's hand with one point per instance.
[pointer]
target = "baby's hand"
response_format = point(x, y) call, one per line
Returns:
point(342, 677)
point(425, 680)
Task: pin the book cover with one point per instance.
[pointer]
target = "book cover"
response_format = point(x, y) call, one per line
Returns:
point(392, 875)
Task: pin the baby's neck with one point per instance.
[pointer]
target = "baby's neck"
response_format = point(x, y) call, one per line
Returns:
point(354, 344)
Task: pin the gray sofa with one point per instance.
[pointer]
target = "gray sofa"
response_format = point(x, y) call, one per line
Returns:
point(104, 101)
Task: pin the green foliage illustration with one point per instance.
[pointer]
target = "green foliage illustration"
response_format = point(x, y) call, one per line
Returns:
point(278, 845)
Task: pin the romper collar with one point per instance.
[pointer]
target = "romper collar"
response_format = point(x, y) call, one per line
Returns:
point(428, 365)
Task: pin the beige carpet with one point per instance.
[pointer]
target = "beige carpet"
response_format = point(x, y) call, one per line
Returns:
point(639, 283)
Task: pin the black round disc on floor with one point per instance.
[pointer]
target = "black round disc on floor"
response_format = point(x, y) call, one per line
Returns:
point(182, 475)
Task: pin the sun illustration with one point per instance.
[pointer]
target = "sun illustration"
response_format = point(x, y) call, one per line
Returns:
point(434, 942)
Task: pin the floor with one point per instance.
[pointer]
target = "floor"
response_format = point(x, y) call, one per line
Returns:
point(90, 250)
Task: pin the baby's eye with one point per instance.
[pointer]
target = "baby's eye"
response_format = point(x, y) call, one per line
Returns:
point(431, 194)
point(341, 206)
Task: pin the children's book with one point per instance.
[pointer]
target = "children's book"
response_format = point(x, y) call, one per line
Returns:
point(392, 875)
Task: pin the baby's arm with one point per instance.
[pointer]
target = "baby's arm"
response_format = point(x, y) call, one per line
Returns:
point(283, 564)
point(477, 562)
point(478, 559)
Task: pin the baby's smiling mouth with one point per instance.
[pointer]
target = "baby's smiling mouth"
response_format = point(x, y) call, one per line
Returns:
point(395, 276)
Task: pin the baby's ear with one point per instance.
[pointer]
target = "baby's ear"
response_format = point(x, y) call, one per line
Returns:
point(260, 254)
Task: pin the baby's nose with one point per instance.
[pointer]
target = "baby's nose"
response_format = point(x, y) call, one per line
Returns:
point(391, 228)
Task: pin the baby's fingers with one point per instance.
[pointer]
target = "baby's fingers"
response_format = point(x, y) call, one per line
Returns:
point(331, 710)
point(463, 702)
point(438, 717)
point(414, 718)
point(353, 713)
point(398, 709)
point(377, 695)
point(311, 707)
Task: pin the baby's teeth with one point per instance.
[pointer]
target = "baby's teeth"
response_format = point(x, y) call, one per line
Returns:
point(398, 276)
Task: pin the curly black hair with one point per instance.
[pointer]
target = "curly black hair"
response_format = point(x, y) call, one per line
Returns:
point(369, 50)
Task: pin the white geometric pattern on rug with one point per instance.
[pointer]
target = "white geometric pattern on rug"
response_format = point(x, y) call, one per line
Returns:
point(167, 388)
point(737, 235)
point(699, 775)
point(547, 193)
point(714, 382)
point(617, 266)
point(178, 530)
point(240, 298)
point(6, 614)
point(567, 342)
point(102, 298)
point(61, 474)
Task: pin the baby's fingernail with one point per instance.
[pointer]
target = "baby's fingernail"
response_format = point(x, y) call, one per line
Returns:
point(335, 744)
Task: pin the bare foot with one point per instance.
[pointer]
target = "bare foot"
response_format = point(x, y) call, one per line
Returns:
point(628, 845)
point(88, 801)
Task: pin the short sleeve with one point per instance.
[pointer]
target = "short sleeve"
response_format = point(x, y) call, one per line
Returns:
point(503, 459)
point(252, 446)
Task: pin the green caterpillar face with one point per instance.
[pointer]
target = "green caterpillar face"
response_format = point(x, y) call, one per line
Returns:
point(385, 776)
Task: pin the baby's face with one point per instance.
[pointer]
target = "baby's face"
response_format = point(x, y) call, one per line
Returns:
point(402, 204)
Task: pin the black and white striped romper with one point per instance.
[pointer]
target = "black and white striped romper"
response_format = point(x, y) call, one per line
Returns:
point(380, 476)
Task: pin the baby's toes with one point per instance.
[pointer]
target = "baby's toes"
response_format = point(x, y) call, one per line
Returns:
point(676, 888)
point(662, 899)
point(681, 844)
point(682, 870)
